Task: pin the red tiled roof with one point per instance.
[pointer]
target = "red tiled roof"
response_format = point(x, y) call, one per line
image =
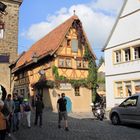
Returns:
point(47, 45)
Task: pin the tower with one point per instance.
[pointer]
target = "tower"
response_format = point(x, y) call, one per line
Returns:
point(8, 40)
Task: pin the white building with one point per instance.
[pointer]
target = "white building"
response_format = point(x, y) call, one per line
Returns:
point(122, 55)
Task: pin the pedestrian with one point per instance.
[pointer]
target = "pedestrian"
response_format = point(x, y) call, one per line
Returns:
point(2, 122)
point(62, 111)
point(16, 115)
point(26, 109)
point(10, 106)
point(38, 111)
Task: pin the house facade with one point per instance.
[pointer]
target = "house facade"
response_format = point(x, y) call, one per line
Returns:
point(51, 64)
point(122, 55)
point(8, 41)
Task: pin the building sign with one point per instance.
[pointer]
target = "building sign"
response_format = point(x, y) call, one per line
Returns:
point(65, 86)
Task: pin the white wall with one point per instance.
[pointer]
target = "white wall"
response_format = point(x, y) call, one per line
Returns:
point(125, 67)
point(110, 95)
point(126, 30)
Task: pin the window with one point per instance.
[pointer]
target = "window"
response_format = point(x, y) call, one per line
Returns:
point(137, 86)
point(85, 64)
point(119, 90)
point(74, 45)
point(82, 64)
point(128, 89)
point(77, 91)
point(79, 64)
point(137, 53)
point(68, 62)
point(68, 42)
point(65, 62)
point(127, 54)
point(61, 62)
point(118, 56)
point(1, 30)
point(132, 101)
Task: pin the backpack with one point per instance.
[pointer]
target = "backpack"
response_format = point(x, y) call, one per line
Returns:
point(26, 107)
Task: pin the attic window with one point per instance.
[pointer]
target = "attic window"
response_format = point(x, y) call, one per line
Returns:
point(1, 30)
point(74, 45)
point(68, 42)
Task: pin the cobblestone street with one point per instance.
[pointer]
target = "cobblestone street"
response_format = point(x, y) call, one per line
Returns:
point(84, 128)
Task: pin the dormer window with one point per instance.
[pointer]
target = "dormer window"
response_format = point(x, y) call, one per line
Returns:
point(1, 30)
point(74, 45)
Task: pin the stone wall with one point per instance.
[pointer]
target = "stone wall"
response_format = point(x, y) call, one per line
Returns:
point(9, 42)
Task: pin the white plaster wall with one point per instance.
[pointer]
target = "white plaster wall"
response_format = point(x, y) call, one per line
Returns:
point(125, 67)
point(131, 6)
point(126, 30)
point(110, 98)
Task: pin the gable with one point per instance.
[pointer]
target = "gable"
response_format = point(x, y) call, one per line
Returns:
point(126, 28)
point(50, 43)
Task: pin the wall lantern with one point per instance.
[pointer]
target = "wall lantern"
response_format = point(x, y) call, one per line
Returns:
point(2, 7)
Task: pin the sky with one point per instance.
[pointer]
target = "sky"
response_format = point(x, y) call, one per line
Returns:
point(39, 17)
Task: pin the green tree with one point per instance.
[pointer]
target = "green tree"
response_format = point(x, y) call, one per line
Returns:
point(92, 73)
point(101, 60)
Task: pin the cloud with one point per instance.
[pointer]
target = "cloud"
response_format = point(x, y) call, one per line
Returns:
point(97, 17)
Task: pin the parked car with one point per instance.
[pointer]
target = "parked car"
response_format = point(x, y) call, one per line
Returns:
point(128, 111)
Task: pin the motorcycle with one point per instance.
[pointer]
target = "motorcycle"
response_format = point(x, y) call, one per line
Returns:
point(98, 110)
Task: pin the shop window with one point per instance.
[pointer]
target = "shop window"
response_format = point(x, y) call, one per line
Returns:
point(127, 54)
point(118, 56)
point(119, 89)
point(77, 91)
point(137, 53)
point(1, 30)
point(74, 44)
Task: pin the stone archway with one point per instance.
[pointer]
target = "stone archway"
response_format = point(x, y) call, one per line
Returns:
point(3, 92)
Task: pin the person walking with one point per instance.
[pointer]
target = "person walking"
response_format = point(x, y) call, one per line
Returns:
point(38, 111)
point(16, 115)
point(26, 108)
point(2, 122)
point(10, 106)
point(62, 111)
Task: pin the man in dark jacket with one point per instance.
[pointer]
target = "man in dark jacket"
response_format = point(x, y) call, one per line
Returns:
point(38, 110)
point(62, 111)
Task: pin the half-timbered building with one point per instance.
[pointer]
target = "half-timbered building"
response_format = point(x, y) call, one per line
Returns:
point(50, 65)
